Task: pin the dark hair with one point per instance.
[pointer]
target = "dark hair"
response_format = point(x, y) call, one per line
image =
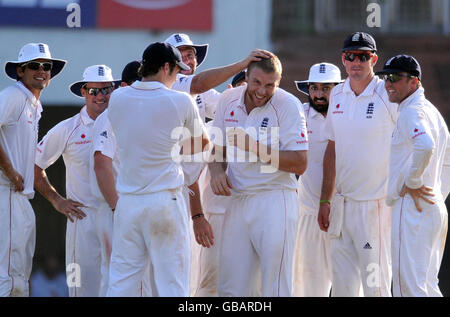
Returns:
point(149, 69)
point(267, 65)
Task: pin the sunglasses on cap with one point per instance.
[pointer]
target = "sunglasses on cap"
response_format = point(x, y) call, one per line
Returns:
point(363, 57)
point(95, 91)
point(46, 66)
point(393, 78)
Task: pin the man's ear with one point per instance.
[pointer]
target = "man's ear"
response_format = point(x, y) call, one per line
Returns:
point(20, 71)
point(374, 59)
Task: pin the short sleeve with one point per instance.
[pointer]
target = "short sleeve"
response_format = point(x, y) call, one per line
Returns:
point(293, 131)
point(218, 122)
point(52, 145)
point(211, 98)
point(10, 107)
point(183, 83)
point(103, 137)
point(328, 130)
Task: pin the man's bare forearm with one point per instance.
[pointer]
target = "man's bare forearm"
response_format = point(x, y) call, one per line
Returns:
point(213, 77)
point(103, 168)
point(329, 172)
point(43, 186)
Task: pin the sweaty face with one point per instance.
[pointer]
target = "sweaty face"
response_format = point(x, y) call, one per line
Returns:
point(96, 104)
point(34, 80)
point(189, 58)
point(319, 96)
point(400, 90)
point(261, 86)
point(358, 70)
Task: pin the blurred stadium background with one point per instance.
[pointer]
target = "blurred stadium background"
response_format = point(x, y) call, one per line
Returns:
point(300, 32)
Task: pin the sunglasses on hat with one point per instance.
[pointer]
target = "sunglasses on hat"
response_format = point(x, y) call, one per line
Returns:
point(46, 66)
point(393, 78)
point(95, 91)
point(363, 57)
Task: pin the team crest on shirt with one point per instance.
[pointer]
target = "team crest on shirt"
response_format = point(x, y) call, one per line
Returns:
point(369, 112)
point(265, 122)
point(198, 100)
point(338, 110)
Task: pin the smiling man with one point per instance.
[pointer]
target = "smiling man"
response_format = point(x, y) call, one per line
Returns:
point(20, 111)
point(358, 127)
point(72, 139)
point(419, 223)
point(260, 224)
point(312, 267)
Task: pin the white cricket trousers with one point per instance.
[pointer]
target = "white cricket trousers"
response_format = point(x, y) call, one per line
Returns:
point(259, 233)
point(208, 260)
point(17, 242)
point(105, 224)
point(83, 255)
point(151, 228)
point(362, 254)
point(418, 240)
point(312, 264)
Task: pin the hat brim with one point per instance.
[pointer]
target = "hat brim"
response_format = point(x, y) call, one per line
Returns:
point(183, 66)
point(202, 51)
point(302, 86)
point(11, 67)
point(358, 48)
point(75, 88)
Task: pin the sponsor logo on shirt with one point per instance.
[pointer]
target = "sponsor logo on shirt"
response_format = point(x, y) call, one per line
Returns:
point(104, 134)
point(84, 141)
point(417, 133)
point(338, 111)
point(303, 141)
point(231, 119)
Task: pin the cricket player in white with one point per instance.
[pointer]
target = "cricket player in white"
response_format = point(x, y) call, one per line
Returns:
point(103, 168)
point(419, 221)
point(214, 207)
point(150, 220)
point(72, 138)
point(200, 86)
point(260, 226)
point(359, 127)
point(312, 266)
point(20, 111)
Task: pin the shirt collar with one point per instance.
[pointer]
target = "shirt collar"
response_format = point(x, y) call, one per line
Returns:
point(85, 119)
point(148, 85)
point(35, 102)
point(419, 94)
point(369, 91)
point(313, 112)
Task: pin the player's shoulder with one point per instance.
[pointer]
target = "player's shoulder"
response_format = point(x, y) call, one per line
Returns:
point(284, 100)
point(67, 125)
point(12, 93)
point(337, 90)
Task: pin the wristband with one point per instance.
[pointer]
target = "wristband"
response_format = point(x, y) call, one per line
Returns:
point(197, 216)
point(325, 201)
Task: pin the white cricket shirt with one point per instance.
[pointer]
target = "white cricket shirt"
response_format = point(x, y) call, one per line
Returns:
point(20, 112)
point(104, 141)
point(285, 114)
point(361, 127)
point(71, 138)
point(418, 147)
point(206, 103)
point(310, 183)
point(144, 117)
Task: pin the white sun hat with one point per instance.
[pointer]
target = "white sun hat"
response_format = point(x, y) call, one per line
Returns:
point(30, 52)
point(181, 39)
point(324, 73)
point(94, 74)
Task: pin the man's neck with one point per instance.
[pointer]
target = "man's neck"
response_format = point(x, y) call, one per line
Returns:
point(358, 86)
point(36, 92)
point(159, 77)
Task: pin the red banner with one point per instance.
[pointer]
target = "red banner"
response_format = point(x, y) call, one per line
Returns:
point(193, 15)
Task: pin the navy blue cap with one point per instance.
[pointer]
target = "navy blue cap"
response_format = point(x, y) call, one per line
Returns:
point(238, 78)
point(402, 64)
point(359, 41)
point(130, 72)
point(159, 53)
